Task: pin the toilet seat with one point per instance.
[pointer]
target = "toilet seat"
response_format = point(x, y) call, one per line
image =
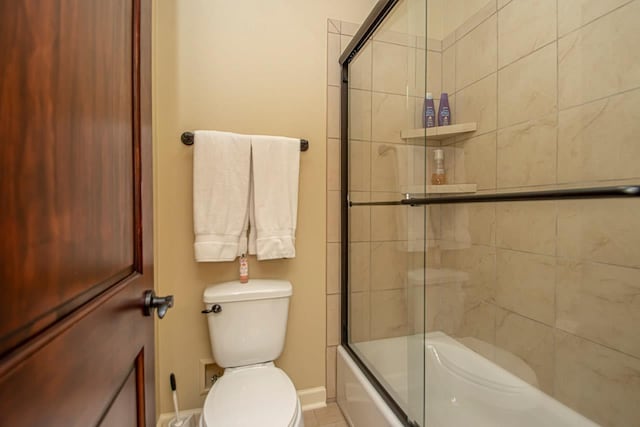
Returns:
point(257, 395)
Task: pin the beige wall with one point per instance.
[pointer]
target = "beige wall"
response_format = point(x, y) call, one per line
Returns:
point(248, 67)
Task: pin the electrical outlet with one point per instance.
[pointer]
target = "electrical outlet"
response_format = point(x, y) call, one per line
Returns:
point(208, 373)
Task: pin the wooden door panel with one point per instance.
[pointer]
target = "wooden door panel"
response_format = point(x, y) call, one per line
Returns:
point(67, 179)
point(76, 246)
point(90, 364)
point(123, 410)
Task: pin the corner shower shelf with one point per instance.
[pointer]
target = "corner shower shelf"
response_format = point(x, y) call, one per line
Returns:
point(418, 190)
point(440, 132)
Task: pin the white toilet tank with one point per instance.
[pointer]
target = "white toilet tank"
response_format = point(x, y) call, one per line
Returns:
point(248, 321)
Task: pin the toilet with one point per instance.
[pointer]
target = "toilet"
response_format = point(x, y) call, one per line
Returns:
point(247, 327)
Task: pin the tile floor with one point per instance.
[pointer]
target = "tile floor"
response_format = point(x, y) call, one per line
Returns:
point(324, 417)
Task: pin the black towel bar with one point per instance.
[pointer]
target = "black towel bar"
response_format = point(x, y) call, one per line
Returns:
point(187, 139)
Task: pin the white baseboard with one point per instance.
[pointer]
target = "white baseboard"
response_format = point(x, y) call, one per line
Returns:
point(310, 398)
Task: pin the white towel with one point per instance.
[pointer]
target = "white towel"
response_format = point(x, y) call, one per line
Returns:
point(275, 170)
point(221, 170)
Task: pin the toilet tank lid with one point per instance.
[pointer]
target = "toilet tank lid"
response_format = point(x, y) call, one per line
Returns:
point(253, 290)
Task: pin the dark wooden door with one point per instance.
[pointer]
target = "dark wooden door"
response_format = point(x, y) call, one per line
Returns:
point(76, 249)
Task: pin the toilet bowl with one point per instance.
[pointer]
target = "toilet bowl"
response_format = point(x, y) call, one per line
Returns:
point(267, 398)
point(247, 326)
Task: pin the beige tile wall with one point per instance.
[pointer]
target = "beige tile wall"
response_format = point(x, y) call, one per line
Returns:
point(359, 171)
point(557, 102)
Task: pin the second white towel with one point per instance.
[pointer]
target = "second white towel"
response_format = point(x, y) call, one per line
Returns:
point(275, 171)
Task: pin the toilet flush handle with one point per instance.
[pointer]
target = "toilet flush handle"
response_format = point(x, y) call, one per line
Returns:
point(215, 308)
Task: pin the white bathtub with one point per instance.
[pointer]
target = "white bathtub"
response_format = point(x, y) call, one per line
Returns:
point(462, 388)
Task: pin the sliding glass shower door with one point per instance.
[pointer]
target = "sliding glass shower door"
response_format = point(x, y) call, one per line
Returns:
point(502, 290)
point(386, 88)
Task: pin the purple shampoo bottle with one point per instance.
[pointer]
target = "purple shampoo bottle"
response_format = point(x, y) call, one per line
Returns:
point(444, 112)
point(428, 112)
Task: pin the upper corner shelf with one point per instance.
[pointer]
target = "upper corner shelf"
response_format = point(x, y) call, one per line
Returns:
point(439, 132)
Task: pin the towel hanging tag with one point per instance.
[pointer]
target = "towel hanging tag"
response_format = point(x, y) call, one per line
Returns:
point(244, 269)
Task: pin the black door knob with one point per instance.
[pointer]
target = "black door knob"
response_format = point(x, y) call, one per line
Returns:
point(151, 302)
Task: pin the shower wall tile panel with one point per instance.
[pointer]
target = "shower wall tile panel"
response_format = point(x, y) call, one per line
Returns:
point(388, 167)
point(333, 164)
point(360, 266)
point(478, 327)
point(477, 103)
point(389, 265)
point(359, 114)
point(527, 227)
point(530, 341)
point(449, 70)
point(600, 231)
point(333, 52)
point(472, 223)
point(600, 59)
point(360, 316)
point(601, 383)
point(476, 53)
point(333, 112)
point(331, 370)
point(524, 26)
point(393, 67)
point(478, 18)
point(359, 165)
point(475, 161)
point(527, 153)
point(527, 88)
point(391, 114)
point(392, 321)
point(473, 270)
point(333, 216)
point(360, 221)
point(333, 319)
point(604, 129)
point(599, 302)
point(333, 268)
point(433, 76)
point(576, 13)
point(360, 69)
point(525, 284)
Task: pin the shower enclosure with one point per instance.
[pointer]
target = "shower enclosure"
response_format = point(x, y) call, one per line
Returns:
point(509, 296)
